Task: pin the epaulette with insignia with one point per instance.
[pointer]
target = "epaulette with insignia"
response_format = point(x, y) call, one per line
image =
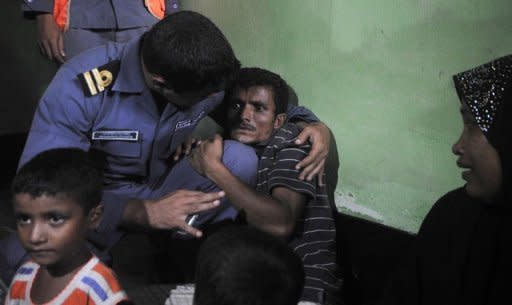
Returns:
point(96, 80)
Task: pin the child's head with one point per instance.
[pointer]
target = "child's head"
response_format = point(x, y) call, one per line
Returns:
point(56, 199)
point(485, 144)
point(240, 265)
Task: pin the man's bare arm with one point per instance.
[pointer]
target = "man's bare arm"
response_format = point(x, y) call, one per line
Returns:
point(276, 214)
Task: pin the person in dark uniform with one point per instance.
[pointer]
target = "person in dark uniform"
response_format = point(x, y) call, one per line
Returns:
point(66, 28)
point(134, 103)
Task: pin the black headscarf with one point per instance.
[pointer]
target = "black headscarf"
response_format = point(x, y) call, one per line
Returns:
point(463, 251)
point(487, 91)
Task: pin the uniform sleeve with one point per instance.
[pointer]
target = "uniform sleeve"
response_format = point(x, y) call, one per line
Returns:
point(63, 117)
point(284, 172)
point(31, 8)
point(300, 113)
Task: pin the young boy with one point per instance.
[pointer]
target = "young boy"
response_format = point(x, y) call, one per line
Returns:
point(56, 200)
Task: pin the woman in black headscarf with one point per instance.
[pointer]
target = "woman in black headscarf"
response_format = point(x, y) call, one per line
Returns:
point(463, 251)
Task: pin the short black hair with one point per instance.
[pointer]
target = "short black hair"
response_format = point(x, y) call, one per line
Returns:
point(240, 265)
point(61, 171)
point(250, 77)
point(190, 53)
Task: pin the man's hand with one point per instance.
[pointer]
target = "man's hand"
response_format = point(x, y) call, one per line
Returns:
point(206, 156)
point(185, 148)
point(318, 135)
point(50, 40)
point(171, 211)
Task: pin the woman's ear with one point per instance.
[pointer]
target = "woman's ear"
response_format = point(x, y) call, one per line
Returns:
point(95, 216)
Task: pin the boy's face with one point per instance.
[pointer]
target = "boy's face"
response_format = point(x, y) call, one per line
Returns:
point(252, 115)
point(51, 229)
point(479, 159)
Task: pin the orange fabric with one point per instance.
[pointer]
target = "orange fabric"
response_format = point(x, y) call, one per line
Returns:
point(109, 277)
point(18, 290)
point(61, 13)
point(156, 7)
point(93, 284)
point(78, 297)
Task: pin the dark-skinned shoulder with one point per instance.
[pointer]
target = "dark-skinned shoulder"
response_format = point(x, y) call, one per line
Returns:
point(98, 79)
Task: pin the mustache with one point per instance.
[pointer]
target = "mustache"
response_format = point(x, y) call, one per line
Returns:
point(245, 126)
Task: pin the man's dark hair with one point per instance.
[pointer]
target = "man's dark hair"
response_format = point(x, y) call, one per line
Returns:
point(240, 265)
point(190, 53)
point(250, 77)
point(61, 171)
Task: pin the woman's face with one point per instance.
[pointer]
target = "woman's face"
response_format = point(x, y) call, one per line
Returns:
point(478, 158)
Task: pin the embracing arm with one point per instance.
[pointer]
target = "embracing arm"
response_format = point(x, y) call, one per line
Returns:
point(313, 130)
point(276, 214)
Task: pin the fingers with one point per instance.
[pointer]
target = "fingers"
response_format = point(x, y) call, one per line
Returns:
point(53, 48)
point(211, 197)
point(46, 49)
point(311, 170)
point(177, 153)
point(191, 143)
point(60, 44)
point(303, 136)
point(321, 177)
point(192, 231)
point(51, 41)
point(57, 49)
point(185, 148)
point(200, 207)
point(171, 211)
point(314, 163)
point(206, 201)
point(310, 163)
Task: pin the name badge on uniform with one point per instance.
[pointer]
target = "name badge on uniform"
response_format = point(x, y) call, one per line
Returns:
point(116, 135)
point(189, 122)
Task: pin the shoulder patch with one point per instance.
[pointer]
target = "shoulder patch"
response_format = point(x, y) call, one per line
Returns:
point(96, 80)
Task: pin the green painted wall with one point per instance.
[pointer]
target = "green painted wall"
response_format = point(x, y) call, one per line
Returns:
point(378, 72)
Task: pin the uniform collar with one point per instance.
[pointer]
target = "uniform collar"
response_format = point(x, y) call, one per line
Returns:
point(130, 77)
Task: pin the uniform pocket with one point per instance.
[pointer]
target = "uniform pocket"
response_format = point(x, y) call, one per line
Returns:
point(126, 149)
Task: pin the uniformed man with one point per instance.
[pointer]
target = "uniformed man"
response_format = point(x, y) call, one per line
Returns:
point(65, 28)
point(134, 104)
